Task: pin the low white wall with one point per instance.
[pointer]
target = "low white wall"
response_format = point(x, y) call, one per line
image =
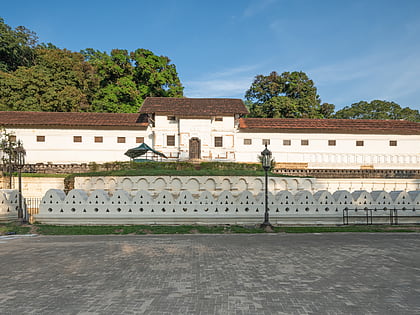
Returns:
point(302, 207)
point(195, 185)
point(369, 184)
point(238, 184)
point(36, 187)
point(9, 204)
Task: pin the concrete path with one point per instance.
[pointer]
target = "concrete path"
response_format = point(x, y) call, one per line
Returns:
point(211, 274)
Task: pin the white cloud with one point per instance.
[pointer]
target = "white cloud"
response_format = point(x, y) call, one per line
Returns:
point(388, 76)
point(230, 82)
point(256, 7)
point(234, 87)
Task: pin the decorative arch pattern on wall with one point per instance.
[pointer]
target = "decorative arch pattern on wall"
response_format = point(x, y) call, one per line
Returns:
point(165, 208)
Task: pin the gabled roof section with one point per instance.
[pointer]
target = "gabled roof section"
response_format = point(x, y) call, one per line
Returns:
point(357, 126)
point(65, 119)
point(193, 106)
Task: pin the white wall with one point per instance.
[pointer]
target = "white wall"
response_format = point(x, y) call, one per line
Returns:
point(376, 151)
point(302, 207)
point(204, 128)
point(59, 146)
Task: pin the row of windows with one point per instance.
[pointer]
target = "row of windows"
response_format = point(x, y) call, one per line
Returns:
point(305, 142)
point(96, 139)
point(218, 142)
point(170, 141)
point(173, 118)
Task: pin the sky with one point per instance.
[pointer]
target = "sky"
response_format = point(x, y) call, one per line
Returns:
point(353, 50)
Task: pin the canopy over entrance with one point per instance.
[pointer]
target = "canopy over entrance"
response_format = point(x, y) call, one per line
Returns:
point(146, 152)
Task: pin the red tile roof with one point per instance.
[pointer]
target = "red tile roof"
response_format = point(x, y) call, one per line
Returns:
point(193, 106)
point(9, 118)
point(331, 125)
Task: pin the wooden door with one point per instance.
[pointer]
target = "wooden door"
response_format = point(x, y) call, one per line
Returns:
point(195, 149)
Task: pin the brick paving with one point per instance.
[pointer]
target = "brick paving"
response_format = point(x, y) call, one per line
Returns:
point(211, 274)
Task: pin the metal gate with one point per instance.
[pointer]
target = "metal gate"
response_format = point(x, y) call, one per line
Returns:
point(32, 208)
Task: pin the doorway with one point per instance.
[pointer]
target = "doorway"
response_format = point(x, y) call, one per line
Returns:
point(195, 149)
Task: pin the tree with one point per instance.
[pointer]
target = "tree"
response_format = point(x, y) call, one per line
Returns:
point(126, 79)
point(291, 95)
point(16, 47)
point(59, 80)
point(377, 109)
point(155, 75)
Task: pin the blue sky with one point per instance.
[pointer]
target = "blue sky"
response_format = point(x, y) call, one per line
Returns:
point(353, 50)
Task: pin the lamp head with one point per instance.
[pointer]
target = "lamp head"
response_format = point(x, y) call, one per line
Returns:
point(266, 158)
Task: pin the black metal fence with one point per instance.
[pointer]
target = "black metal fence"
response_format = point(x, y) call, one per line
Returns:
point(32, 208)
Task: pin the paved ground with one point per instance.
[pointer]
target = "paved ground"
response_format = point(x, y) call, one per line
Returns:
point(211, 274)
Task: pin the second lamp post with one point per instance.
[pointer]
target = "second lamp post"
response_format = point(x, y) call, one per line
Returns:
point(266, 164)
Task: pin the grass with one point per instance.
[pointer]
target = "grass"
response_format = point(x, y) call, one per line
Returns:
point(179, 169)
point(174, 172)
point(13, 228)
point(42, 175)
point(44, 229)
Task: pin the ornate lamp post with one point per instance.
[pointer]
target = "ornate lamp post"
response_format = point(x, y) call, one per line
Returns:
point(266, 164)
point(20, 163)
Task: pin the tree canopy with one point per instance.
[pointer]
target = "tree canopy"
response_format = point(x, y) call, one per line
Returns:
point(42, 77)
point(377, 109)
point(289, 95)
point(127, 78)
point(16, 47)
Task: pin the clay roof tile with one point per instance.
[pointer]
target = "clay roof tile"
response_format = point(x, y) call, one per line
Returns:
point(331, 125)
point(193, 106)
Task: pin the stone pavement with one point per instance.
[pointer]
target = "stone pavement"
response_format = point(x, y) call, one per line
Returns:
point(211, 274)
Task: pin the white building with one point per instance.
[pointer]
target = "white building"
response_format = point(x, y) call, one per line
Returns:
point(214, 129)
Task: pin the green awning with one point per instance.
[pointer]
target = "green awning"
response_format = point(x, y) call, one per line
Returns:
point(142, 149)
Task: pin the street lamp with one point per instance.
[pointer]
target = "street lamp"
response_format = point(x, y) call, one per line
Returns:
point(266, 164)
point(20, 163)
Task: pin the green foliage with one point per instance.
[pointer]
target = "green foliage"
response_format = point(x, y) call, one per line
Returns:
point(60, 80)
point(45, 78)
point(377, 109)
point(16, 47)
point(177, 169)
point(289, 95)
point(230, 166)
point(126, 79)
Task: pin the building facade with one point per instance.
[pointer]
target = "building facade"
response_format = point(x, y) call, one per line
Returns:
point(214, 130)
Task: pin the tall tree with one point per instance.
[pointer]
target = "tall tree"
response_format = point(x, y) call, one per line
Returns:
point(59, 80)
point(289, 95)
point(377, 109)
point(16, 47)
point(155, 75)
point(126, 79)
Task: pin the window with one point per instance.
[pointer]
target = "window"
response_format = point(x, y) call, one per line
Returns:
point(304, 142)
point(99, 139)
point(40, 138)
point(77, 138)
point(172, 118)
point(139, 139)
point(247, 141)
point(266, 141)
point(287, 142)
point(360, 143)
point(332, 143)
point(218, 119)
point(218, 141)
point(170, 141)
point(120, 139)
point(392, 143)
